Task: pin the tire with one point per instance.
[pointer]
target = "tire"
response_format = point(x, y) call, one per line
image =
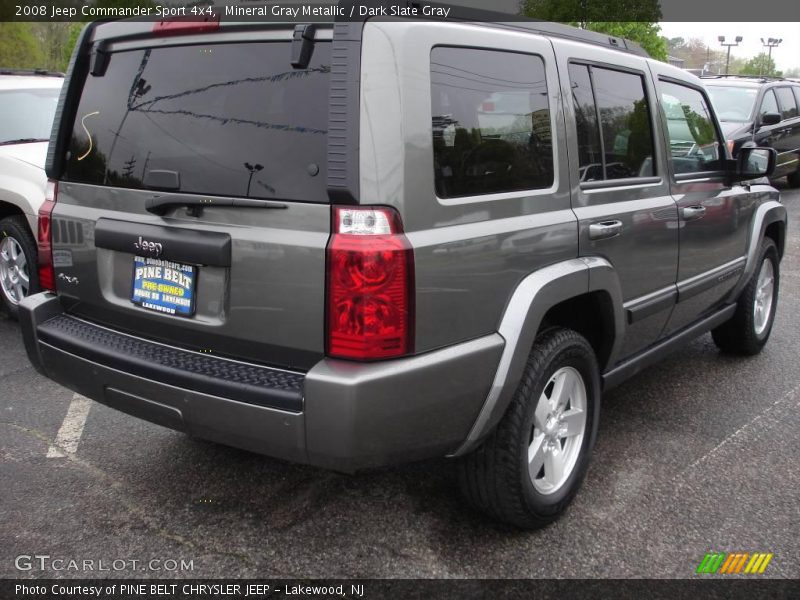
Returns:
point(495, 477)
point(749, 328)
point(793, 179)
point(19, 274)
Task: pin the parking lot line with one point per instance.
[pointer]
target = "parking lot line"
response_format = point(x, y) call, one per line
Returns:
point(69, 435)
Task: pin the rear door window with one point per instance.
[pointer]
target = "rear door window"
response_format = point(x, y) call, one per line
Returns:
point(224, 119)
point(491, 122)
point(620, 146)
point(589, 148)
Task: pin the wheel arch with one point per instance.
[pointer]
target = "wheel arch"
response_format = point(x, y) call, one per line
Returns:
point(769, 221)
point(19, 204)
point(550, 297)
point(8, 209)
point(777, 232)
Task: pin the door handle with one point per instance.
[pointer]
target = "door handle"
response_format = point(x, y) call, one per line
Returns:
point(692, 213)
point(604, 230)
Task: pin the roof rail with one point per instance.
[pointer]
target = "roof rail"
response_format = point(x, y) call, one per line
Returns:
point(501, 19)
point(761, 78)
point(42, 72)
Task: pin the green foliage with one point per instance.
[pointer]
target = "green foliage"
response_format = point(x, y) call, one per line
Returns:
point(74, 33)
point(19, 48)
point(676, 43)
point(634, 20)
point(593, 11)
point(760, 65)
point(57, 39)
point(645, 34)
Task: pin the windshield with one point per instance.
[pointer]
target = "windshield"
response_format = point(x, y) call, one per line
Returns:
point(27, 114)
point(732, 103)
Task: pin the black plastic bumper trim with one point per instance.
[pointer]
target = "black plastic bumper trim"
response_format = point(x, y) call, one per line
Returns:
point(243, 382)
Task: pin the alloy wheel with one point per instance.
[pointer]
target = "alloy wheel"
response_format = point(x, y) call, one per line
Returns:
point(559, 425)
point(765, 290)
point(14, 275)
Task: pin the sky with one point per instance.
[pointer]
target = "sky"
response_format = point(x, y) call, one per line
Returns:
point(786, 55)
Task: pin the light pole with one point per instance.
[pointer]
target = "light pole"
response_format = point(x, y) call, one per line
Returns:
point(253, 169)
point(770, 43)
point(729, 44)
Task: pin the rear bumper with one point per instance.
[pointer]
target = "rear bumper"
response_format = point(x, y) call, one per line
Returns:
point(339, 415)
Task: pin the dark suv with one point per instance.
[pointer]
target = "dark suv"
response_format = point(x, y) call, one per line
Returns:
point(363, 243)
point(763, 111)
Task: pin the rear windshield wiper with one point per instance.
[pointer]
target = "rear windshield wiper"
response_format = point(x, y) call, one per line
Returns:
point(159, 205)
point(22, 141)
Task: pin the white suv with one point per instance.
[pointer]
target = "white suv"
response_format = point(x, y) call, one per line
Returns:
point(28, 102)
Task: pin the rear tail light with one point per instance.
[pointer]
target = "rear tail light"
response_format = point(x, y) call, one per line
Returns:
point(370, 287)
point(47, 277)
point(730, 148)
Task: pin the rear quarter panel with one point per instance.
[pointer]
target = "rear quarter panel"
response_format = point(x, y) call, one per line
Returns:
point(471, 252)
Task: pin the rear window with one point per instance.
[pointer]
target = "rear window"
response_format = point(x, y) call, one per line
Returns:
point(228, 119)
point(27, 114)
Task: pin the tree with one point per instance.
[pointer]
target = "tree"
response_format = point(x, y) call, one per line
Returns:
point(675, 44)
point(56, 38)
point(583, 12)
point(645, 34)
point(636, 21)
point(793, 72)
point(762, 64)
point(19, 48)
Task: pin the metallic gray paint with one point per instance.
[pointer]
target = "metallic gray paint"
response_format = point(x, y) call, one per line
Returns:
point(268, 307)
point(469, 253)
point(354, 415)
point(488, 268)
point(366, 415)
point(530, 302)
point(645, 253)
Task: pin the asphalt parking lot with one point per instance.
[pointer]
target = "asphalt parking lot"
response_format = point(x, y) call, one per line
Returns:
point(700, 453)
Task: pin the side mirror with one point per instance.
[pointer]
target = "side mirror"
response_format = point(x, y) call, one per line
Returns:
point(754, 162)
point(771, 118)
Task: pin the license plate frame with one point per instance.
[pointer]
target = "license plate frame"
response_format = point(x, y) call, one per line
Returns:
point(164, 286)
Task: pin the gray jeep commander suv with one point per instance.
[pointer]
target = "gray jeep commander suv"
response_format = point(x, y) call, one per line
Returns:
point(364, 243)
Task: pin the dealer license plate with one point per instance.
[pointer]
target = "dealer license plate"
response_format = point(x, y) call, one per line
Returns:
point(164, 286)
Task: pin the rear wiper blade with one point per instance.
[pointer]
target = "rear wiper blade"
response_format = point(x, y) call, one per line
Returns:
point(22, 141)
point(159, 205)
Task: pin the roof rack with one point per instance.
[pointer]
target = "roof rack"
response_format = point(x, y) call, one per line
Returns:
point(42, 72)
point(761, 78)
point(508, 20)
point(485, 17)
